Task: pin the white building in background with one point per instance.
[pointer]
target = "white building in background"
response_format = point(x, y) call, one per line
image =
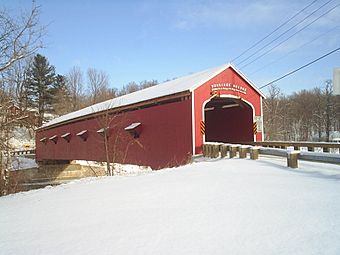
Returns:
point(336, 81)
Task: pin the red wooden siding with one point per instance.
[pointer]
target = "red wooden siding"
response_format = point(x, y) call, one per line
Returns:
point(165, 139)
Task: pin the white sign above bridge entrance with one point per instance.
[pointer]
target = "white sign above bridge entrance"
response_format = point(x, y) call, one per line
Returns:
point(227, 86)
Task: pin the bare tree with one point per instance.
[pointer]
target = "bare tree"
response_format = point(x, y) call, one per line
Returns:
point(133, 86)
point(302, 116)
point(272, 109)
point(6, 126)
point(20, 36)
point(146, 84)
point(17, 77)
point(98, 85)
point(75, 85)
point(129, 88)
point(115, 140)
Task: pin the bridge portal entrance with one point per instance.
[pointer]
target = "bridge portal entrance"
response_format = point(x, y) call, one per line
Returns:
point(228, 120)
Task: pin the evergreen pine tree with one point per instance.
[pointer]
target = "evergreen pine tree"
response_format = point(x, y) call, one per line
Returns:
point(41, 77)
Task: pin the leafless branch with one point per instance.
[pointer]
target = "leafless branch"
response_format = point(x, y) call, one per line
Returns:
point(19, 37)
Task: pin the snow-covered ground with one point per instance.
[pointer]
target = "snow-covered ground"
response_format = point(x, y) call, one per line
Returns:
point(18, 163)
point(118, 169)
point(23, 138)
point(229, 206)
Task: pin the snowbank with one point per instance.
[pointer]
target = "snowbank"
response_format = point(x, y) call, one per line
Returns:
point(229, 206)
point(119, 169)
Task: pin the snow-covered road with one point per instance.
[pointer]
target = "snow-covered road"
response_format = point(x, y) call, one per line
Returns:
point(229, 206)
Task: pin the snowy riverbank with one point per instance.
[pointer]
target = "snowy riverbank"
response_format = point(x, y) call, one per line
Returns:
point(229, 206)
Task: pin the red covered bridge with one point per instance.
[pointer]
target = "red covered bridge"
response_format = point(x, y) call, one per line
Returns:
point(161, 126)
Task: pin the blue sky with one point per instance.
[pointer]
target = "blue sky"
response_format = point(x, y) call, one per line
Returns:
point(143, 40)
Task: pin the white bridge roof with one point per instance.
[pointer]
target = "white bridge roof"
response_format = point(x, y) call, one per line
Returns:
point(185, 83)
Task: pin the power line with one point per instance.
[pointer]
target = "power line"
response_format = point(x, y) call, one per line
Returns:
point(303, 28)
point(301, 67)
point(285, 32)
point(276, 29)
point(286, 55)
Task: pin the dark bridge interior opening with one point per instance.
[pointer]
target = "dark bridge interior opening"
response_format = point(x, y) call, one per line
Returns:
point(228, 120)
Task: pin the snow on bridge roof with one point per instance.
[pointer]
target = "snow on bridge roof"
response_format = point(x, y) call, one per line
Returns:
point(185, 83)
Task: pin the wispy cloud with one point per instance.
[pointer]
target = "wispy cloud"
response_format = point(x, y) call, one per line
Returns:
point(332, 18)
point(245, 14)
point(229, 14)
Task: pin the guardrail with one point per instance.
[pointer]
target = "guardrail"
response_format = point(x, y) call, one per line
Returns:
point(19, 152)
point(311, 146)
point(215, 150)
